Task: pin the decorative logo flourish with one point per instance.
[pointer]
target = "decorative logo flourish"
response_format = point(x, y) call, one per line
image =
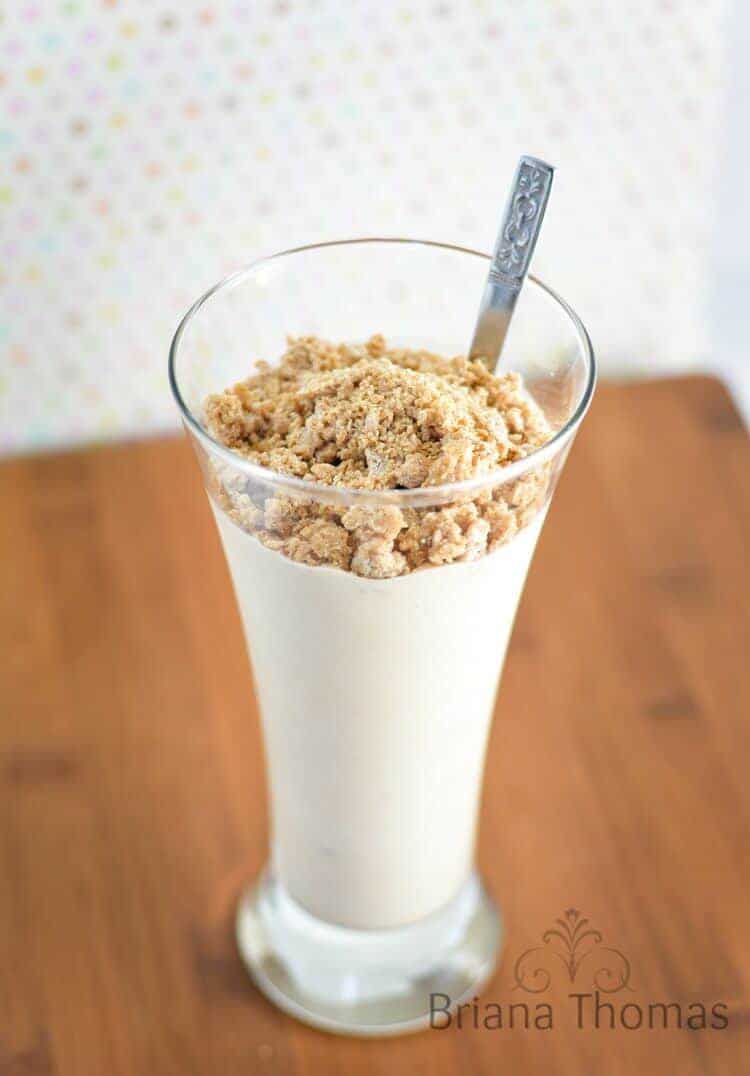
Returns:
point(572, 942)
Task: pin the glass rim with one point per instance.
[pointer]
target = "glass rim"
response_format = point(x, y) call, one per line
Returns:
point(402, 497)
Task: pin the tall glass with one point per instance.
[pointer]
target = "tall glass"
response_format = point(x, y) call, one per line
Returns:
point(376, 694)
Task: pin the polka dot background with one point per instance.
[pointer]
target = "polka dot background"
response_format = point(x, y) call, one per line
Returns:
point(146, 149)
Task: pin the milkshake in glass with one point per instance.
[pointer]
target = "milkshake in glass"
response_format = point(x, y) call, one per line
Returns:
point(379, 504)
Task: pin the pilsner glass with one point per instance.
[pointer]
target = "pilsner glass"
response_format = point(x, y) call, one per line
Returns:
point(376, 695)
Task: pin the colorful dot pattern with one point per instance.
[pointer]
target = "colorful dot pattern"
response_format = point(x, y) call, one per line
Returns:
point(146, 149)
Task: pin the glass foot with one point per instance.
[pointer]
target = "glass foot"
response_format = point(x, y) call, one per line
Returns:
point(366, 982)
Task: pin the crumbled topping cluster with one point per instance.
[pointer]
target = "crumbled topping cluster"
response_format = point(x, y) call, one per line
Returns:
point(376, 418)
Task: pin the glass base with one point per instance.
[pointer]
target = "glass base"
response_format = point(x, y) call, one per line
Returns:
point(366, 982)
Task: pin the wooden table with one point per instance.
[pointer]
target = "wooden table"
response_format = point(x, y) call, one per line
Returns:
point(131, 773)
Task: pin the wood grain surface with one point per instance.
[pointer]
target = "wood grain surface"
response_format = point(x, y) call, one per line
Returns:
point(131, 775)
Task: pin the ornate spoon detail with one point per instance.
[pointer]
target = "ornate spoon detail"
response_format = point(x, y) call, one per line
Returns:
point(523, 218)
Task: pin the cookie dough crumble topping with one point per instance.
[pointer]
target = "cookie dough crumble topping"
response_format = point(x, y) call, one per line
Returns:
point(374, 418)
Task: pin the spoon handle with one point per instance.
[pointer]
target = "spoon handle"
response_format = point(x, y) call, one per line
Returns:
point(523, 218)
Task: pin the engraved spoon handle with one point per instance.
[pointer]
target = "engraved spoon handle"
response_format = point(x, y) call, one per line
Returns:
point(523, 218)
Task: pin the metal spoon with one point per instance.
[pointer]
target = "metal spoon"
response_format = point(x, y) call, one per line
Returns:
point(523, 218)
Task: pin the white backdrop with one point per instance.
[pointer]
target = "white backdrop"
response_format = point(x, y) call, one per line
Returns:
point(148, 148)
point(729, 321)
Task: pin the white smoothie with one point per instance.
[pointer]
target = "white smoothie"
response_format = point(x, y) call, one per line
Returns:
point(376, 698)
